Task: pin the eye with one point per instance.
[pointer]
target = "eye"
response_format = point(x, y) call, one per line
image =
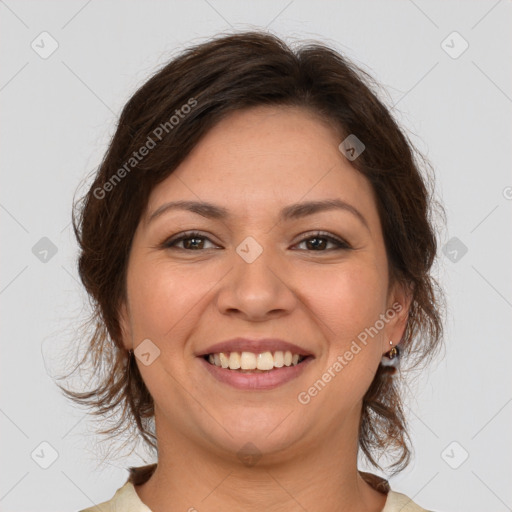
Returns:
point(192, 241)
point(319, 241)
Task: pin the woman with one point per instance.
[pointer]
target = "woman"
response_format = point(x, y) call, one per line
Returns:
point(257, 243)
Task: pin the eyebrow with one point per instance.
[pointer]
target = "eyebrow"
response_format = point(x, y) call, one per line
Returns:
point(291, 212)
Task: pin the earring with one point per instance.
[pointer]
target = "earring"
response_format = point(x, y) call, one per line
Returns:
point(391, 358)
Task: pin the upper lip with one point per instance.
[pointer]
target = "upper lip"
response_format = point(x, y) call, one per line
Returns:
point(254, 345)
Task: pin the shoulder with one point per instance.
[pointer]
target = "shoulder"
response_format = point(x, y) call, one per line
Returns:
point(398, 502)
point(395, 501)
point(125, 499)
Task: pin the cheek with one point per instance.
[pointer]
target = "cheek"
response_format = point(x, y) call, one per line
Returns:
point(351, 303)
point(347, 299)
point(348, 303)
point(166, 299)
point(165, 303)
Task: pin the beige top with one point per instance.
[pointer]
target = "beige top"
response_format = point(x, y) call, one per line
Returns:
point(126, 498)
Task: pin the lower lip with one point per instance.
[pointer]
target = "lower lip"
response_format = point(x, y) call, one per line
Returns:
point(257, 381)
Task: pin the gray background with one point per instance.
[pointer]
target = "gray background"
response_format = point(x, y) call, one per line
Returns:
point(58, 114)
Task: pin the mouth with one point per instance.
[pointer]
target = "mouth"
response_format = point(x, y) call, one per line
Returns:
point(252, 371)
point(250, 362)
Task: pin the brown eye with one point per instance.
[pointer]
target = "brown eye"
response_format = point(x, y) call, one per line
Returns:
point(321, 240)
point(191, 241)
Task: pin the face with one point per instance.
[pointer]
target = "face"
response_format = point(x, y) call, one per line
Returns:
point(315, 278)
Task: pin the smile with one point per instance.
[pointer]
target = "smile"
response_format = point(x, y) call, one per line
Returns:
point(251, 361)
point(251, 371)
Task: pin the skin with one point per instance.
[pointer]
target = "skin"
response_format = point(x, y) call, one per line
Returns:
point(184, 299)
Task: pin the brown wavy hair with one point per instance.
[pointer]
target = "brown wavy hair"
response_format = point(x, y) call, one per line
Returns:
point(225, 74)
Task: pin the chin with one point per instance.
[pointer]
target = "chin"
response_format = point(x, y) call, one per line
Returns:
point(263, 434)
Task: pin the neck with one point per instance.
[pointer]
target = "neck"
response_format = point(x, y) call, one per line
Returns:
point(322, 477)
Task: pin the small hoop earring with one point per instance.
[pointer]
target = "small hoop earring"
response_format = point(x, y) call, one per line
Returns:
point(392, 357)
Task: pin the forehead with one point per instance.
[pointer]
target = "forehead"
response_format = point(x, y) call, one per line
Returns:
point(263, 158)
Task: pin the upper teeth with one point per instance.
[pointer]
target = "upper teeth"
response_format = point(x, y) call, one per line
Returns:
point(252, 361)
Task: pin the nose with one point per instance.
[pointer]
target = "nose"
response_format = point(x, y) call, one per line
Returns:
point(258, 289)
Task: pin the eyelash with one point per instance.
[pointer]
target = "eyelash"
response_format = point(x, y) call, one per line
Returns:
point(342, 245)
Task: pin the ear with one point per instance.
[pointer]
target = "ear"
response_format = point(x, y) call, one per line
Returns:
point(125, 326)
point(397, 311)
